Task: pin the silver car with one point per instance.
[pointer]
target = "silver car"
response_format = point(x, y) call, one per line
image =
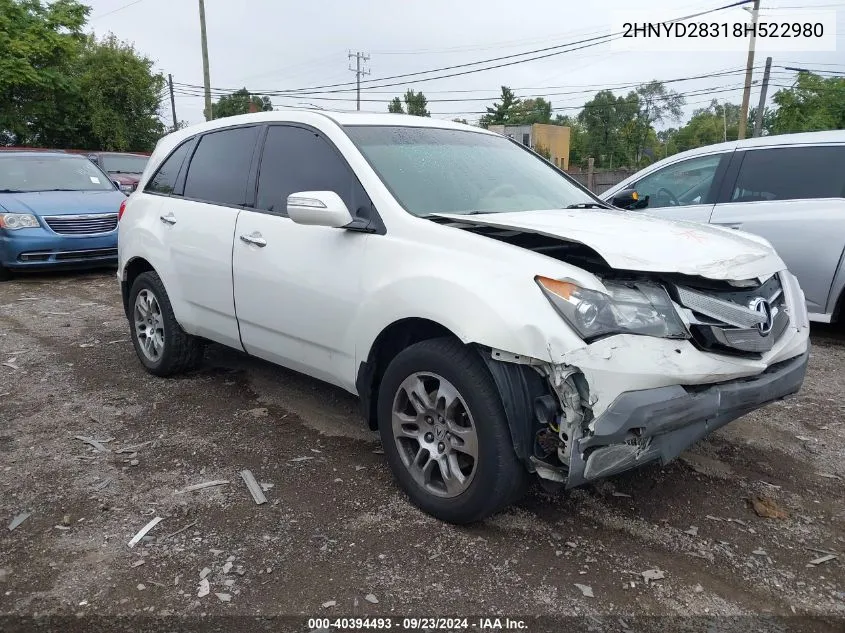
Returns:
point(789, 189)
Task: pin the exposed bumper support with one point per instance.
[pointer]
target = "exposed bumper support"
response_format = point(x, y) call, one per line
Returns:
point(658, 424)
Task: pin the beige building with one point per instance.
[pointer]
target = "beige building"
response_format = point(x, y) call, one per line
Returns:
point(551, 141)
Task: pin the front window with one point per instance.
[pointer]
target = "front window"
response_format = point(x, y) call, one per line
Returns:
point(123, 164)
point(21, 174)
point(431, 170)
point(685, 183)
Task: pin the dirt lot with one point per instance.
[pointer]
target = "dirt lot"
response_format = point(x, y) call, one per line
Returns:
point(336, 536)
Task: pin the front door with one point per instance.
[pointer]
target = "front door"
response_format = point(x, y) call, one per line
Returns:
point(297, 286)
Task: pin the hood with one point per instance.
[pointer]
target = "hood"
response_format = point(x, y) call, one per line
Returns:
point(645, 243)
point(62, 202)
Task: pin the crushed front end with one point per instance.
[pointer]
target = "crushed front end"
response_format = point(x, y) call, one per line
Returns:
point(626, 400)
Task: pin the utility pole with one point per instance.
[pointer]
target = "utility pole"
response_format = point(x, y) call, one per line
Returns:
point(725, 119)
point(172, 102)
point(206, 76)
point(359, 71)
point(758, 120)
point(749, 68)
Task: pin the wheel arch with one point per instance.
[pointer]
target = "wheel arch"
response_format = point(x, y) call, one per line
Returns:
point(386, 346)
point(133, 268)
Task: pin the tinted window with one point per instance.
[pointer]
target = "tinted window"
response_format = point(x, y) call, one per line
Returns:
point(165, 178)
point(791, 173)
point(684, 183)
point(220, 167)
point(296, 159)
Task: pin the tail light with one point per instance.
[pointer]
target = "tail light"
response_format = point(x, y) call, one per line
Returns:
point(122, 209)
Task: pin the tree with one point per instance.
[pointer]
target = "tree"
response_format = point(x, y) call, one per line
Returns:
point(500, 113)
point(239, 102)
point(604, 119)
point(530, 111)
point(415, 102)
point(40, 42)
point(60, 88)
point(714, 124)
point(813, 103)
point(656, 104)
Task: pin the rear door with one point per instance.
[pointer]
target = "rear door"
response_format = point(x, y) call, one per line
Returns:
point(200, 228)
point(295, 285)
point(794, 196)
point(685, 190)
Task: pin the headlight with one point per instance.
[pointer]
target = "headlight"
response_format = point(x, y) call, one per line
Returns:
point(14, 221)
point(628, 308)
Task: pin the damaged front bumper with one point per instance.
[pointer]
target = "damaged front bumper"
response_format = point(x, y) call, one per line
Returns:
point(657, 424)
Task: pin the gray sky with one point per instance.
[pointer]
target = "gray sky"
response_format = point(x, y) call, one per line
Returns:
point(281, 45)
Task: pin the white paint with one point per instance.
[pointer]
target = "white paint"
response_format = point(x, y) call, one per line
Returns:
point(315, 298)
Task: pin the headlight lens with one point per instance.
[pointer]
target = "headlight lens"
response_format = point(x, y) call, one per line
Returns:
point(627, 308)
point(14, 221)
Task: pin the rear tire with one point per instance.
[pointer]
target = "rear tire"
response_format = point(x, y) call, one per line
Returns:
point(437, 405)
point(163, 347)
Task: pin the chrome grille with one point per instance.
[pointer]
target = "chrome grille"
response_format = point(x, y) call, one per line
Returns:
point(87, 224)
point(743, 321)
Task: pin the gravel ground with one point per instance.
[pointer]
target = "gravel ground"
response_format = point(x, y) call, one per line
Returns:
point(336, 538)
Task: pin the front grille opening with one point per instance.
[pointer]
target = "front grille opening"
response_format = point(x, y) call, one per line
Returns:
point(723, 317)
point(82, 224)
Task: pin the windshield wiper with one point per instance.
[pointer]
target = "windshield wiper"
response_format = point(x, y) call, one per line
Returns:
point(588, 205)
point(12, 191)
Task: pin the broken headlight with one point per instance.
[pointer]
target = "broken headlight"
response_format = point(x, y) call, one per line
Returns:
point(627, 308)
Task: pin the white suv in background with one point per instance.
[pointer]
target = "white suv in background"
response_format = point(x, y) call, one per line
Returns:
point(494, 318)
point(788, 188)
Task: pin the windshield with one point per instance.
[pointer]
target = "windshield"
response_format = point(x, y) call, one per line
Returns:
point(430, 170)
point(50, 173)
point(124, 164)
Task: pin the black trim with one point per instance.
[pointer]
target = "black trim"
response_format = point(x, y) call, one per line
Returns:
point(373, 224)
point(190, 139)
point(520, 388)
point(729, 178)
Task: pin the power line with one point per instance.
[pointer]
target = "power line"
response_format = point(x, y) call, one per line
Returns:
point(125, 6)
point(549, 51)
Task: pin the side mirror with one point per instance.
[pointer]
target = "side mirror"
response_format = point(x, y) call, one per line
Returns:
point(318, 208)
point(629, 199)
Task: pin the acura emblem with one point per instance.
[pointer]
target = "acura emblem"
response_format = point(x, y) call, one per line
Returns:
point(765, 309)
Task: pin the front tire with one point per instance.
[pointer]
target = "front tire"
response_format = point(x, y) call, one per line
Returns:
point(445, 433)
point(163, 347)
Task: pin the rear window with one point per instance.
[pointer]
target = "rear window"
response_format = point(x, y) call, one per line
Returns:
point(40, 172)
point(165, 179)
point(791, 173)
point(220, 167)
point(123, 163)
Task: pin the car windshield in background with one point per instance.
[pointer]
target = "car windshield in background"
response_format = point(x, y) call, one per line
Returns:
point(432, 170)
point(124, 164)
point(50, 173)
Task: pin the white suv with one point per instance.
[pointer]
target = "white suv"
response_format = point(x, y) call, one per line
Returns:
point(494, 318)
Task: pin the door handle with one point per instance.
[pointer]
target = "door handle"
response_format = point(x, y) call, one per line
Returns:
point(168, 219)
point(254, 239)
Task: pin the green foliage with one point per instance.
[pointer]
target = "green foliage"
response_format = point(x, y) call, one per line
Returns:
point(608, 123)
point(708, 126)
point(500, 113)
point(814, 103)
point(239, 102)
point(60, 88)
point(395, 106)
point(415, 103)
point(530, 111)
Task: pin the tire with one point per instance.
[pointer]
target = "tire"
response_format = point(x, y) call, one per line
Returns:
point(5, 274)
point(179, 352)
point(485, 485)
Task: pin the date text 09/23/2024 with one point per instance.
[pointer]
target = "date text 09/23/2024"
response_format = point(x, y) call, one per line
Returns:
point(481, 624)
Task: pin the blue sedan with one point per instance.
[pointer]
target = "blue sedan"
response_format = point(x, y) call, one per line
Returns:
point(56, 211)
